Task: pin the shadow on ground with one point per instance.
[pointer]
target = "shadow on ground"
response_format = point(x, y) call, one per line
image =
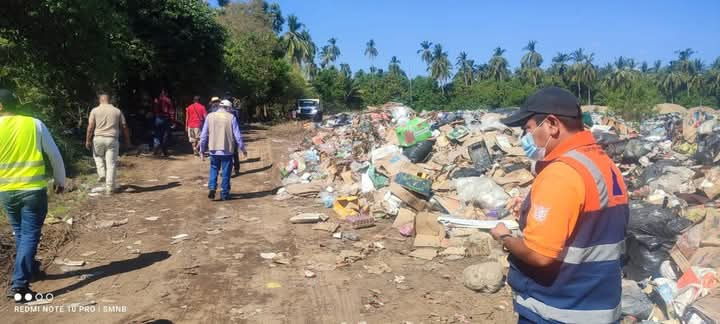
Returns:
point(139, 189)
point(253, 195)
point(110, 269)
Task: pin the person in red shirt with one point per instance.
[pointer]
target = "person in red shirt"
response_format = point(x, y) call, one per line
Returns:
point(194, 118)
point(164, 113)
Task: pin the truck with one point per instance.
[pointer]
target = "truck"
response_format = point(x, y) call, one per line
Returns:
point(309, 108)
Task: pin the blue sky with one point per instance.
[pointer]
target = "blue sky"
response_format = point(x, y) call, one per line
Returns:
point(641, 29)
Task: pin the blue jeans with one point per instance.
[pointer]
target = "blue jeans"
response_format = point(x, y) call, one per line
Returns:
point(26, 212)
point(160, 132)
point(222, 164)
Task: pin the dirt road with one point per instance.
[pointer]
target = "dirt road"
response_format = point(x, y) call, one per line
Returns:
point(212, 272)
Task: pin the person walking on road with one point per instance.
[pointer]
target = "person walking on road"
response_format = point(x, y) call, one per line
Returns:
point(164, 113)
point(214, 104)
point(105, 124)
point(219, 134)
point(567, 265)
point(195, 115)
point(23, 187)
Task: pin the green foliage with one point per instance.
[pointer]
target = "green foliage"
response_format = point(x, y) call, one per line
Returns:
point(633, 102)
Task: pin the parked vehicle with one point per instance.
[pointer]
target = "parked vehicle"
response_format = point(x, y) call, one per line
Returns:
point(308, 108)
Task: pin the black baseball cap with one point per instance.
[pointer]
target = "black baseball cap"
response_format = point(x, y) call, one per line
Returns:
point(551, 101)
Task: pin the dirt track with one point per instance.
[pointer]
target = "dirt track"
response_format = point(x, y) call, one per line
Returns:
point(217, 275)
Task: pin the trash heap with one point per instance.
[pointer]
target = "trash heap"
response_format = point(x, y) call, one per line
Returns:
point(445, 178)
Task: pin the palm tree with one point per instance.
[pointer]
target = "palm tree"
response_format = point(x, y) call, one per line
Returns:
point(333, 51)
point(311, 49)
point(370, 50)
point(531, 58)
point(560, 67)
point(623, 74)
point(713, 81)
point(426, 53)
point(695, 78)
point(576, 69)
point(394, 67)
point(465, 67)
point(530, 63)
point(671, 81)
point(345, 70)
point(440, 66)
point(276, 17)
point(657, 65)
point(296, 48)
point(588, 74)
point(497, 66)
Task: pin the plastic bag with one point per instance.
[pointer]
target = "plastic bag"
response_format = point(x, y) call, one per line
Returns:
point(327, 199)
point(634, 150)
point(634, 302)
point(419, 152)
point(482, 190)
point(708, 149)
point(651, 233)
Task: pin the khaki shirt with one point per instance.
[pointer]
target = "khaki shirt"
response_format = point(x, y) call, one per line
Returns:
point(108, 120)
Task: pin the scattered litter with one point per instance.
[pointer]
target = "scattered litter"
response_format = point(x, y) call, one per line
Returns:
point(424, 253)
point(111, 223)
point(308, 218)
point(152, 218)
point(309, 274)
point(179, 238)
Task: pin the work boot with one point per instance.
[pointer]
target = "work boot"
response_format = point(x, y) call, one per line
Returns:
point(211, 194)
point(22, 295)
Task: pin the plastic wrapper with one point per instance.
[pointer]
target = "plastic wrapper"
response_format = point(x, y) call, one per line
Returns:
point(482, 190)
point(634, 302)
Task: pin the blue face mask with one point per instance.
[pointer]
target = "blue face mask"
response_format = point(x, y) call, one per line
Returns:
point(532, 151)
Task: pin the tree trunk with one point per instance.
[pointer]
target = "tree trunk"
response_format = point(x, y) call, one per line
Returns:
point(589, 102)
point(578, 86)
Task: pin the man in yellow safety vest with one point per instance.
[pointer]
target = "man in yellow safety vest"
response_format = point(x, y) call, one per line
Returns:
point(23, 186)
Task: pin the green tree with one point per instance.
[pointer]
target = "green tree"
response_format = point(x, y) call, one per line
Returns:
point(370, 50)
point(498, 66)
point(559, 68)
point(426, 53)
point(532, 58)
point(588, 74)
point(465, 68)
point(276, 17)
point(297, 48)
point(440, 67)
point(670, 82)
point(329, 53)
point(394, 67)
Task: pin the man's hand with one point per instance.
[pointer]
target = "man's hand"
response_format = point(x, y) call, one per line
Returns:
point(88, 145)
point(244, 153)
point(513, 206)
point(58, 189)
point(500, 230)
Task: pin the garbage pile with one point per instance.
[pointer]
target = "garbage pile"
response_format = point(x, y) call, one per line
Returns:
point(444, 179)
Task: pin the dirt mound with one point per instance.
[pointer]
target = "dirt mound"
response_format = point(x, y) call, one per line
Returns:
point(668, 108)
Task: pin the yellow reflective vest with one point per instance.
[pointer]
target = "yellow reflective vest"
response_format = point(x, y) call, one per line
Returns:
point(21, 160)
